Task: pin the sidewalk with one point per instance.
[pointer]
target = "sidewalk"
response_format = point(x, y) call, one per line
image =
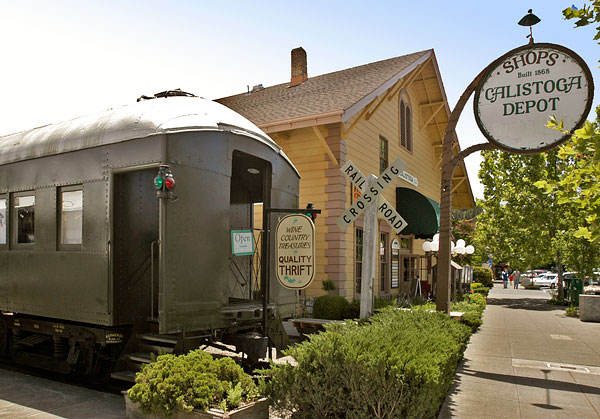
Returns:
point(527, 361)
point(27, 396)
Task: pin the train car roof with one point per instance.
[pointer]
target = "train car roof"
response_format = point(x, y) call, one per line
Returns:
point(142, 119)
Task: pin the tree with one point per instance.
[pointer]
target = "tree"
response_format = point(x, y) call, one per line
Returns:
point(578, 185)
point(463, 227)
point(521, 224)
point(564, 214)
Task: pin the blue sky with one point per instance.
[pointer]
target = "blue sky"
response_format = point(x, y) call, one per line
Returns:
point(70, 58)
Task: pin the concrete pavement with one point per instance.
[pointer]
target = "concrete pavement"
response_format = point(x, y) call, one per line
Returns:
point(26, 396)
point(528, 360)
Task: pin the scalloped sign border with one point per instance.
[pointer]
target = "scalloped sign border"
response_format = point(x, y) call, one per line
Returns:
point(524, 88)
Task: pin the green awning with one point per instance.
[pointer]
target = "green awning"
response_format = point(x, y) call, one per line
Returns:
point(420, 213)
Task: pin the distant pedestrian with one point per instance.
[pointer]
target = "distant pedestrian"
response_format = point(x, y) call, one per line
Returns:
point(516, 278)
point(505, 277)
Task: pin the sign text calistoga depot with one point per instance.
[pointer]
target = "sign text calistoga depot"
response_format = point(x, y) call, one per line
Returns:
point(295, 251)
point(524, 89)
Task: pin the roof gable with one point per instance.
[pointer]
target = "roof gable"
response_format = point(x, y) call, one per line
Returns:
point(345, 91)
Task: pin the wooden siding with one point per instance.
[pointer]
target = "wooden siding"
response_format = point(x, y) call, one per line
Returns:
point(310, 158)
point(363, 150)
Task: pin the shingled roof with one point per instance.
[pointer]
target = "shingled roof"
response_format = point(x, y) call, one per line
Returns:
point(345, 92)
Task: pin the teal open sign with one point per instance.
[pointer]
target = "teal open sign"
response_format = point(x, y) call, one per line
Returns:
point(242, 242)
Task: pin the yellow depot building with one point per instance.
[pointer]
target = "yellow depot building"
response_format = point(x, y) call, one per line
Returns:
point(369, 115)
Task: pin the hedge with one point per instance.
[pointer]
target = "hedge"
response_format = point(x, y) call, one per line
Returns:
point(472, 307)
point(484, 275)
point(400, 363)
point(331, 307)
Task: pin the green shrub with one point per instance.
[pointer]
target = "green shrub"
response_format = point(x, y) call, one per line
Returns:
point(479, 300)
point(331, 307)
point(381, 302)
point(400, 363)
point(532, 286)
point(472, 319)
point(192, 381)
point(484, 275)
point(555, 301)
point(353, 310)
point(571, 312)
point(472, 308)
point(476, 285)
point(481, 290)
point(327, 285)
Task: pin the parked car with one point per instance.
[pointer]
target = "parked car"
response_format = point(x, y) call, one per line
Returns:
point(546, 280)
point(592, 289)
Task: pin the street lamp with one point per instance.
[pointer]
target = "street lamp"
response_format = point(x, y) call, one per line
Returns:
point(461, 250)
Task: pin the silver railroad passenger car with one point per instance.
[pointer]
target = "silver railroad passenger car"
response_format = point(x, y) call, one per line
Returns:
point(95, 264)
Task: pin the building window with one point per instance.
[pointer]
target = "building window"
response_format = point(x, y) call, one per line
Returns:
point(71, 216)
point(24, 205)
point(410, 269)
point(383, 154)
point(406, 244)
point(358, 259)
point(383, 263)
point(406, 139)
point(3, 222)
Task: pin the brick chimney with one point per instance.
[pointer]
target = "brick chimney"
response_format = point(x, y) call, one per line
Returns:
point(299, 72)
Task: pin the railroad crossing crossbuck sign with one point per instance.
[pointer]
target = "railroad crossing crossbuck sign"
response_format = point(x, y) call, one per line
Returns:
point(373, 195)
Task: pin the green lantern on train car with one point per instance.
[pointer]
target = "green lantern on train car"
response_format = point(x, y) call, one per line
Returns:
point(164, 182)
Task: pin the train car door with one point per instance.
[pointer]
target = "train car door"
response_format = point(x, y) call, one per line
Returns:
point(249, 190)
point(135, 245)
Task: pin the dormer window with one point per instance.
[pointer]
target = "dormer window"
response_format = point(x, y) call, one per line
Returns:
point(406, 139)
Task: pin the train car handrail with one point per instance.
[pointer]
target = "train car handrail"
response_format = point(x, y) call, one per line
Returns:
point(152, 278)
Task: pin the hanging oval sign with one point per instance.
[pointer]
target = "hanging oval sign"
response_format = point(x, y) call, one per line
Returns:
point(524, 88)
point(295, 251)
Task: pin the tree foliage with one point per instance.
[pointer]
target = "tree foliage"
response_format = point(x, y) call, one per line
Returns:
point(582, 162)
point(517, 218)
point(560, 221)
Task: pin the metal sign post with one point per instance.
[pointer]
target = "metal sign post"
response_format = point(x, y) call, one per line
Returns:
point(515, 96)
point(267, 259)
point(371, 195)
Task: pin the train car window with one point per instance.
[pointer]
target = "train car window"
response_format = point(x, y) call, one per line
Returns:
point(71, 216)
point(24, 206)
point(3, 223)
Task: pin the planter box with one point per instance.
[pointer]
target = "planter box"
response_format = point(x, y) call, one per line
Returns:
point(589, 308)
point(256, 410)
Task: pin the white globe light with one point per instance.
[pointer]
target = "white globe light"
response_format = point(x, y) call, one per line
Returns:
point(452, 245)
point(436, 237)
point(460, 250)
point(435, 246)
point(460, 243)
point(470, 250)
point(427, 246)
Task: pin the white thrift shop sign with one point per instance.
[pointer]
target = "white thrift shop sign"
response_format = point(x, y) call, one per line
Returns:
point(295, 251)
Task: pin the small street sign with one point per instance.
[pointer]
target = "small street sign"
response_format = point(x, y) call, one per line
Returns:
point(373, 196)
